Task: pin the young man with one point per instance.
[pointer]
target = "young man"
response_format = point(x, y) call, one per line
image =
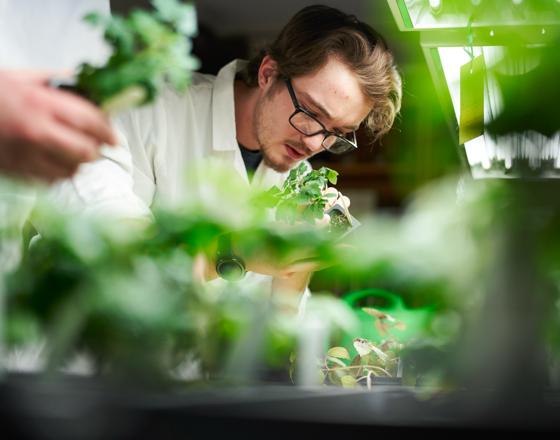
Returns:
point(325, 75)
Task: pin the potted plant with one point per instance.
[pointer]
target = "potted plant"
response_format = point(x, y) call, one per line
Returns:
point(306, 196)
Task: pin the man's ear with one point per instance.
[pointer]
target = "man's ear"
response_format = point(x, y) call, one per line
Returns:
point(268, 71)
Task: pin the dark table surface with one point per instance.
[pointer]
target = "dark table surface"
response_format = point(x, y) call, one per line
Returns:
point(76, 408)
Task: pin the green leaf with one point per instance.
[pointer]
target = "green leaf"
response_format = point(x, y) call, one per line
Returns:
point(336, 361)
point(148, 29)
point(120, 36)
point(183, 16)
point(338, 352)
point(348, 381)
point(332, 176)
point(334, 378)
point(313, 212)
point(312, 190)
point(94, 18)
point(148, 49)
point(267, 199)
point(129, 97)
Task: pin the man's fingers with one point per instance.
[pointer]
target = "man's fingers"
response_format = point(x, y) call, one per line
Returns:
point(44, 168)
point(82, 115)
point(28, 76)
point(69, 146)
point(324, 222)
point(331, 195)
point(334, 196)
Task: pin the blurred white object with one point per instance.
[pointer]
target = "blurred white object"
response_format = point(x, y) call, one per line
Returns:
point(312, 344)
point(29, 359)
point(49, 34)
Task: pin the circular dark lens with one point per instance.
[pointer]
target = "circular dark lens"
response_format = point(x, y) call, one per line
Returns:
point(339, 146)
point(231, 270)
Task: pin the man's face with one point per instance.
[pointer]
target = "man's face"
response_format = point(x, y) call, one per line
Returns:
point(332, 94)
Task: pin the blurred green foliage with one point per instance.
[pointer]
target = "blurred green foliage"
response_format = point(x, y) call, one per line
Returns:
point(129, 297)
point(530, 98)
point(147, 49)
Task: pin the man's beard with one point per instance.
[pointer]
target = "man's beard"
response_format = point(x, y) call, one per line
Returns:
point(283, 166)
point(269, 161)
point(260, 129)
point(266, 149)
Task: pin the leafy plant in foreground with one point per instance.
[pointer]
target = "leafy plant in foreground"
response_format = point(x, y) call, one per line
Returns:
point(147, 49)
point(306, 195)
point(129, 299)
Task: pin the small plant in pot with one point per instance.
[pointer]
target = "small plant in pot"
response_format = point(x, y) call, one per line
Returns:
point(361, 361)
point(372, 364)
point(306, 196)
point(376, 361)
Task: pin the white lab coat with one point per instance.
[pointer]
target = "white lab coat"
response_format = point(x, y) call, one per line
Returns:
point(50, 34)
point(47, 35)
point(157, 144)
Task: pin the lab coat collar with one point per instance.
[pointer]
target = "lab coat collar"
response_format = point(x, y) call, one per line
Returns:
point(224, 133)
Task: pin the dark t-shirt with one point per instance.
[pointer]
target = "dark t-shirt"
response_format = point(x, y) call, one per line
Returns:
point(251, 158)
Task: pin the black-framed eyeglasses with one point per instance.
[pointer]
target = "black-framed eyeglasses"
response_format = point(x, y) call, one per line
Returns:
point(304, 122)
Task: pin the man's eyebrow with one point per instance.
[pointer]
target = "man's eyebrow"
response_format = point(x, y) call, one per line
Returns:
point(317, 105)
point(322, 109)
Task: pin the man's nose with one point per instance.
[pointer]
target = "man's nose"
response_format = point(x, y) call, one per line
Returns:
point(314, 143)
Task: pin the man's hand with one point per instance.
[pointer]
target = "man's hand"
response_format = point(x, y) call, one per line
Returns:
point(333, 196)
point(46, 133)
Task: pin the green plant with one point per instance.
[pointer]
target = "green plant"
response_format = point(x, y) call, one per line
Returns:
point(147, 49)
point(372, 360)
point(306, 195)
point(130, 300)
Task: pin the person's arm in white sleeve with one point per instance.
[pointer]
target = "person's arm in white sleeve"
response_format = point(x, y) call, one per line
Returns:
point(106, 186)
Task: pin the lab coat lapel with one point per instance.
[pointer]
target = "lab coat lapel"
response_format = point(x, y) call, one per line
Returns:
point(224, 134)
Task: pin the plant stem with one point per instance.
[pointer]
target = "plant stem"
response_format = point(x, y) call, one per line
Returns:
point(359, 366)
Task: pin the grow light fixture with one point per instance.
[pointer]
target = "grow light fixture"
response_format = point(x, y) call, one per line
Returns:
point(417, 15)
point(468, 45)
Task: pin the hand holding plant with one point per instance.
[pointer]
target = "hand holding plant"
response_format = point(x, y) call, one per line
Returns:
point(307, 197)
